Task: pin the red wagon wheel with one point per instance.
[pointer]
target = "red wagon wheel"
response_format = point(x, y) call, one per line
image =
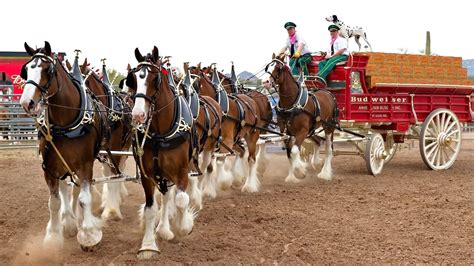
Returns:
point(440, 139)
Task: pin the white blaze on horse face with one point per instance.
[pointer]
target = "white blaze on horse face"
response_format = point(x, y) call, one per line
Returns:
point(29, 91)
point(139, 109)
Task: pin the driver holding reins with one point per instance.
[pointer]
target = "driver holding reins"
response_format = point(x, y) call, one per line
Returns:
point(300, 55)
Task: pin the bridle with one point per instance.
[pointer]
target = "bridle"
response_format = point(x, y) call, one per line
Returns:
point(143, 67)
point(274, 79)
point(51, 74)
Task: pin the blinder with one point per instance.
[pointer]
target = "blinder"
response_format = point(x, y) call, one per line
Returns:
point(50, 71)
point(131, 81)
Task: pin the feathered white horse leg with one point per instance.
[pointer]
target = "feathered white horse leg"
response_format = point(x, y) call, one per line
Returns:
point(252, 184)
point(239, 169)
point(163, 229)
point(299, 167)
point(224, 177)
point(326, 172)
point(67, 214)
point(184, 214)
point(149, 248)
point(90, 232)
point(111, 197)
point(195, 193)
point(208, 182)
point(262, 160)
point(54, 229)
point(315, 159)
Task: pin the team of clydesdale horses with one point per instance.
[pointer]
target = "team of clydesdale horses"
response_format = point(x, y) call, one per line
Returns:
point(174, 127)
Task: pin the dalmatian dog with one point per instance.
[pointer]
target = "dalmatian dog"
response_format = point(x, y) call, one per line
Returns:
point(348, 32)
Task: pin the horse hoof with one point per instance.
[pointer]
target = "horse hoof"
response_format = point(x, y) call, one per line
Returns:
point(88, 248)
point(325, 177)
point(249, 188)
point(210, 194)
point(292, 179)
point(112, 214)
point(70, 231)
point(300, 173)
point(147, 254)
point(89, 239)
point(165, 234)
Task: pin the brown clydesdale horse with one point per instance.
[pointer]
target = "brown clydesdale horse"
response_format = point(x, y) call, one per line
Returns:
point(300, 113)
point(207, 115)
point(241, 115)
point(162, 149)
point(264, 107)
point(71, 135)
point(118, 114)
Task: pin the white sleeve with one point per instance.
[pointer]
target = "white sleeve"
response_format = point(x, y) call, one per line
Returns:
point(301, 40)
point(343, 44)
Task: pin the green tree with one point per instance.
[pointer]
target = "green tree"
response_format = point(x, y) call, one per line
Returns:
point(115, 77)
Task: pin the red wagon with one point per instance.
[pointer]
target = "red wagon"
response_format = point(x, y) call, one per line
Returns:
point(394, 97)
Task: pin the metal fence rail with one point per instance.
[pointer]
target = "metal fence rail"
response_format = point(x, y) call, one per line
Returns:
point(17, 130)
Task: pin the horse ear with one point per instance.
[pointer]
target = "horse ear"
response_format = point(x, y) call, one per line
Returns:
point(199, 66)
point(29, 50)
point(84, 66)
point(138, 55)
point(129, 68)
point(273, 56)
point(68, 65)
point(130, 81)
point(155, 54)
point(47, 48)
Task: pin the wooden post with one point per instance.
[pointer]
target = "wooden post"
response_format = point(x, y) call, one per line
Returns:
point(428, 44)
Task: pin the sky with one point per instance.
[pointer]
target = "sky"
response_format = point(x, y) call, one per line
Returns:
point(246, 32)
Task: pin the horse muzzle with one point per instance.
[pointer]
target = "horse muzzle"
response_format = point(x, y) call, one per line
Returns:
point(138, 116)
point(31, 107)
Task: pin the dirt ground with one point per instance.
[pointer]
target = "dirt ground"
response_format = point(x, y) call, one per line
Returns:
point(408, 214)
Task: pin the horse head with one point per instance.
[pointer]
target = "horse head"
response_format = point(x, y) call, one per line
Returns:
point(39, 73)
point(278, 71)
point(145, 81)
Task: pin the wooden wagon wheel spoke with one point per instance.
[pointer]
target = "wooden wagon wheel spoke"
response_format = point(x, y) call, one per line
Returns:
point(443, 120)
point(375, 154)
point(453, 132)
point(450, 126)
point(431, 144)
point(440, 139)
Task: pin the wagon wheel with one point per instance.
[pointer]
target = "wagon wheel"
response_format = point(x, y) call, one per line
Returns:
point(390, 147)
point(440, 139)
point(375, 154)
